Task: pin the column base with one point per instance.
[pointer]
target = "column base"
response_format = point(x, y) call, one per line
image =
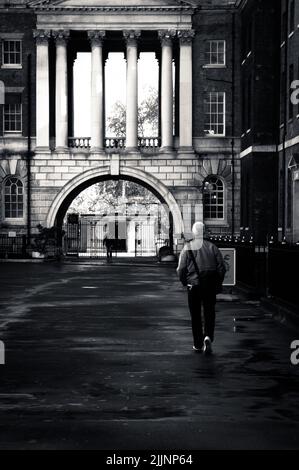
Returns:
point(42, 149)
point(97, 150)
point(167, 149)
point(132, 149)
point(62, 150)
point(186, 149)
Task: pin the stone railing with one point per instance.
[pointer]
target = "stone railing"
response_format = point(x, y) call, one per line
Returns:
point(79, 142)
point(149, 143)
point(145, 144)
point(115, 143)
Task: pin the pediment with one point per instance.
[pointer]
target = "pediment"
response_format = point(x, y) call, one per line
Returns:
point(110, 4)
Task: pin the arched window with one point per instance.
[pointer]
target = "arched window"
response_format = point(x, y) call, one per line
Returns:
point(14, 198)
point(213, 199)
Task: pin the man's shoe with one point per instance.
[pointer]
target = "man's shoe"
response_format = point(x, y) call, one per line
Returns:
point(196, 349)
point(207, 345)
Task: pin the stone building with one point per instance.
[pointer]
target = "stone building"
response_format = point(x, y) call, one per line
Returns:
point(193, 166)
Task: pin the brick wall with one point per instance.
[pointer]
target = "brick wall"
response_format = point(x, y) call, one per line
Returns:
point(23, 22)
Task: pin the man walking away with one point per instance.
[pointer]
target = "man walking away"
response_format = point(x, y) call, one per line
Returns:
point(108, 242)
point(201, 269)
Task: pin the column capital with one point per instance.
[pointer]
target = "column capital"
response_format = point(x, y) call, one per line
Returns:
point(131, 36)
point(96, 38)
point(61, 36)
point(186, 36)
point(166, 36)
point(41, 35)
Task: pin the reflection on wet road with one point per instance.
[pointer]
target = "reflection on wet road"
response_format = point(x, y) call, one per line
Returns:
point(91, 350)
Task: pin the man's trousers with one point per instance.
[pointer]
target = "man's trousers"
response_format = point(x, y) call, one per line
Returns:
point(198, 298)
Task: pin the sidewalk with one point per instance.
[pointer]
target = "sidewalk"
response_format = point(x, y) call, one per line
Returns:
point(100, 356)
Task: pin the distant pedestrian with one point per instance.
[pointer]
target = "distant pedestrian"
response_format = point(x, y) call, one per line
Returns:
point(201, 269)
point(108, 243)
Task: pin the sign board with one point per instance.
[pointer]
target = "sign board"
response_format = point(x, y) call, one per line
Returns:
point(229, 256)
point(12, 234)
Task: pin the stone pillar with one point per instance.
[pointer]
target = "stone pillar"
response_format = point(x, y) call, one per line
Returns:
point(42, 90)
point(166, 91)
point(61, 109)
point(97, 90)
point(132, 90)
point(158, 58)
point(186, 114)
point(72, 55)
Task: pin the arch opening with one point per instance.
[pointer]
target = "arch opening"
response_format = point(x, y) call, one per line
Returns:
point(142, 233)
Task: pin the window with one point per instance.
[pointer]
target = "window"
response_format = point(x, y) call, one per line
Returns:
point(215, 53)
point(213, 199)
point(289, 198)
point(11, 52)
point(284, 27)
point(283, 97)
point(292, 17)
point(214, 105)
point(13, 117)
point(244, 106)
point(249, 38)
point(14, 198)
point(249, 103)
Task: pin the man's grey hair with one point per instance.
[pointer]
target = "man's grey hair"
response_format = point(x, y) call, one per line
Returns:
point(198, 229)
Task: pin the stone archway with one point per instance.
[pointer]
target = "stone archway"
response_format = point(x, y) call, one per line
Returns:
point(152, 183)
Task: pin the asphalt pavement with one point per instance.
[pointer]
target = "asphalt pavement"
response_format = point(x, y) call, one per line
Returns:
point(99, 356)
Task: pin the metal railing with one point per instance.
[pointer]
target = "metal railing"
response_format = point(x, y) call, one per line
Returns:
point(12, 247)
point(269, 270)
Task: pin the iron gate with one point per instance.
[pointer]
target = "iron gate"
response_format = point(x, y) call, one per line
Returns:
point(131, 236)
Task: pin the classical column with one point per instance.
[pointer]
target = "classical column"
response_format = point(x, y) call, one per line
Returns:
point(97, 90)
point(132, 90)
point(158, 58)
point(186, 114)
point(42, 89)
point(167, 90)
point(61, 118)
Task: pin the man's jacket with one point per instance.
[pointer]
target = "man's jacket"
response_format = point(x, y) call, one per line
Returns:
point(210, 265)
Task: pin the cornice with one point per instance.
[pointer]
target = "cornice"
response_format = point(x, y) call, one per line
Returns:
point(47, 5)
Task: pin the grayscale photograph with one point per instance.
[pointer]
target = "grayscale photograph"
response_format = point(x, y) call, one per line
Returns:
point(149, 228)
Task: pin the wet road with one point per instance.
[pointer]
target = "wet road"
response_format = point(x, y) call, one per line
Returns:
point(101, 357)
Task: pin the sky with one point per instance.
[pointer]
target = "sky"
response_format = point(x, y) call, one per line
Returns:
point(115, 76)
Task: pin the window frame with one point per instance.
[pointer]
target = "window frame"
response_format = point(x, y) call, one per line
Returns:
point(13, 132)
point(18, 218)
point(217, 124)
point(216, 221)
point(210, 53)
point(16, 65)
